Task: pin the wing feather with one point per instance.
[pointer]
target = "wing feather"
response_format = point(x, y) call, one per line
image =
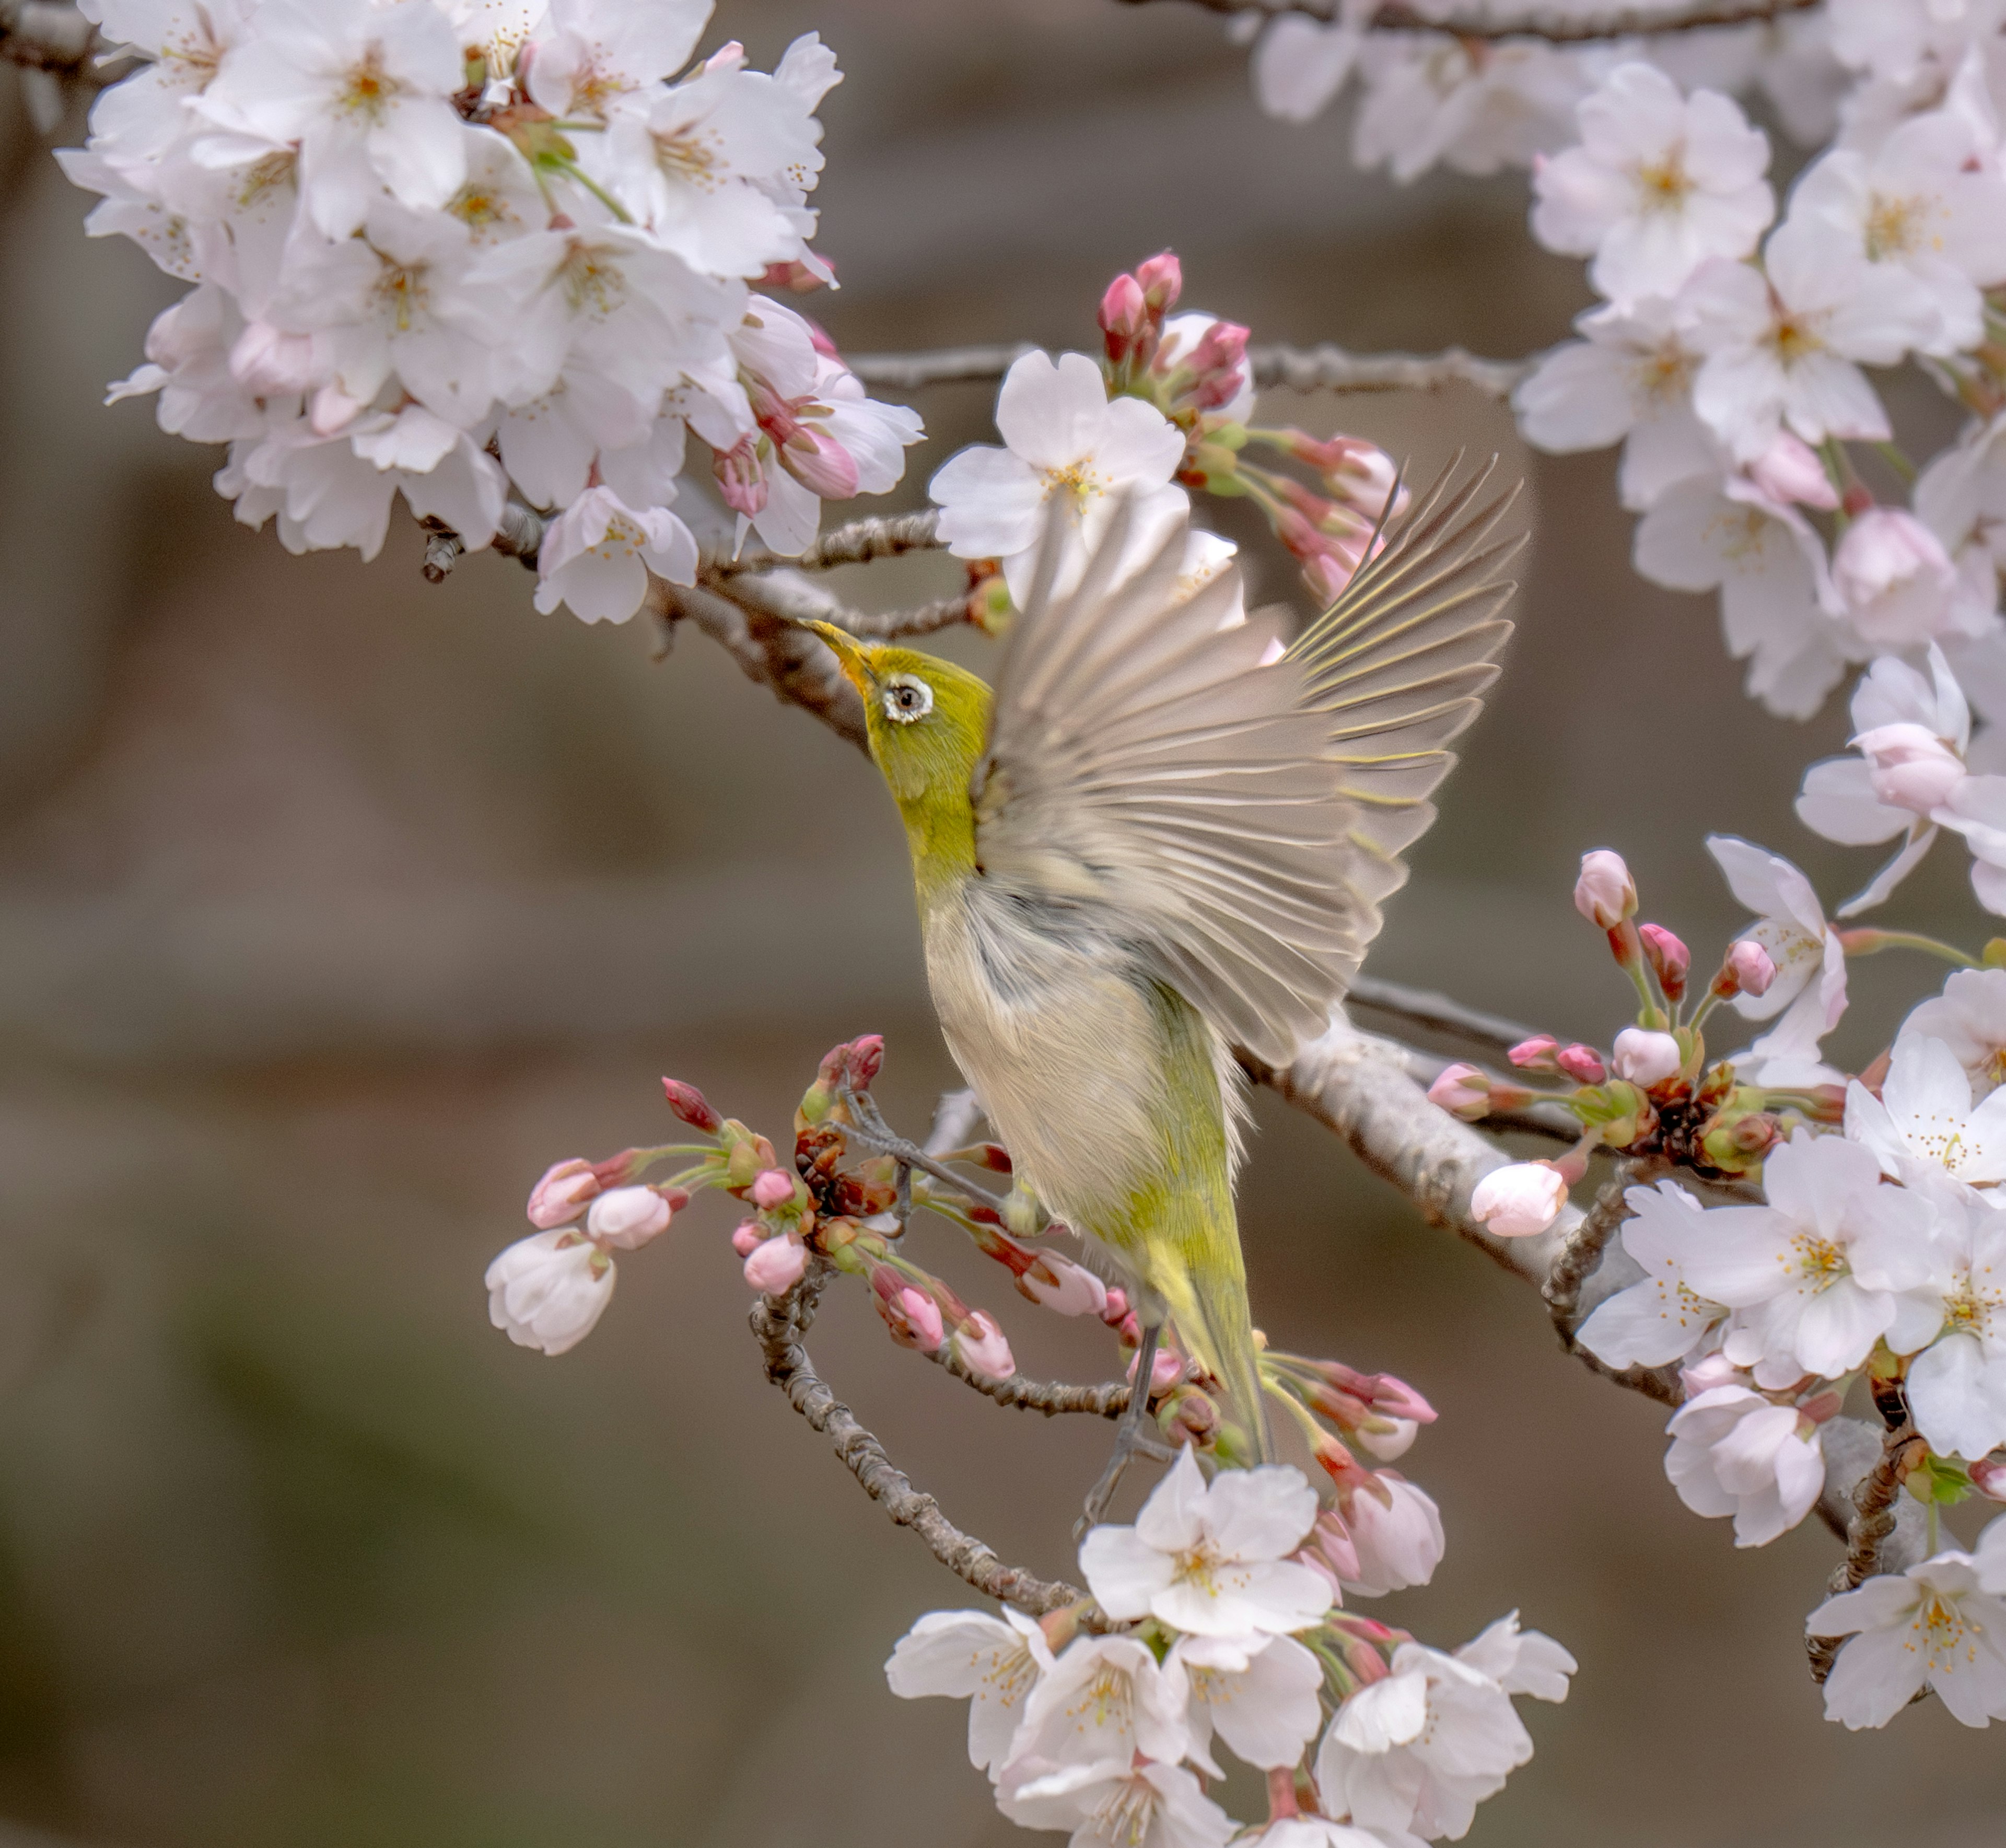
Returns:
point(1236, 817)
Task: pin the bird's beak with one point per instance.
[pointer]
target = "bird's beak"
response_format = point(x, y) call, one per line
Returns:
point(849, 655)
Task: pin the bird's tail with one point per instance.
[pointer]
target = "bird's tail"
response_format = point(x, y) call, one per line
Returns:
point(1215, 1327)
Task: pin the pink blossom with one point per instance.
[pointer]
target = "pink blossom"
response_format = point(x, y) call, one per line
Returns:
point(776, 1266)
point(1899, 585)
point(1165, 1370)
point(1059, 1284)
point(1605, 894)
point(1517, 1201)
point(1644, 1057)
point(1462, 1090)
point(1909, 766)
point(772, 1188)
point(1582, 1064)
point(748, 1237)
point(1669, 958)
point(1331, 1539)
point(1790, 471)
point(562, 1194)
point(1750, 965)
point(1988, 1476)
point(980, 1343)
point(922, 1317)
point(1399, 1540)
point(627, 1218)
point(1537, 1053)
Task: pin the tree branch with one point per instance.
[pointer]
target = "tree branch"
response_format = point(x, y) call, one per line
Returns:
point(778, 1323)
point(1556, 26)
point(1429, 1012)
point(1052, 1398)
point(1872, 1523)
point(1325, 368)
point(857, 542)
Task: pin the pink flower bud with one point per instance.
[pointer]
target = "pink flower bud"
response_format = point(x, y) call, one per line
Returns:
point(1059, 1284)
point(1582, 1064)
point(1162, 281)
point(922, 1317)
point(1116, 1310)
point(747, 1238)
point(1124, 318)
point(689, 1104)
point(983, 1350)
point(821, 464)
point(1790, 471)
point(1669, 958)
point(776, 1266)
point(1644, 1057)
point(1897, 581)
point(562, 1195)
point(1332, 1539)
point(1462, 1091)
point(1535, 1054)
point(1748, 970)
point(1388, 1439)
point(867, 1060)
point(1517, 1201)
point(772, 1188)
point(1988, 1476)
point(627, 1218)
point(796, 277)
point(1605, 894)
point(1909, 766)
point(1709, 1371)
point(741, 476)
point(1165, 1370)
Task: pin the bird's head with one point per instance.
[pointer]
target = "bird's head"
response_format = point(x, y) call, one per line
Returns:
point(928, 720)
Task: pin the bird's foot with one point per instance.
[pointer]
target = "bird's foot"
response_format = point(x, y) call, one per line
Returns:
point(1132, 1441)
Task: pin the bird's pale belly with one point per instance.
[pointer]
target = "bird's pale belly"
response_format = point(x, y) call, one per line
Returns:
point(1057, 1035)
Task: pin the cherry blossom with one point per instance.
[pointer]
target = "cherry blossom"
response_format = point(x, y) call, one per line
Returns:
point(1976, 809)
point(1818, 1272)
point(1211, 1559)
point(1809, 991)
point(1912, 732)
point(1139, 1806)
point(1299, 64)
point(1898, 584)
point(1431, 100)
point(549, 1291)
point(1961, 496)
point(1419, 1750)
point(1661, 1318)
point(1783, 345)
point(1956, 1386)
point(597, 554)
point(1924, 1116)
point(1779, 607)
point(1969, 1017)
point(1518, 1200)
point(1258, 1693)
point(361, 90)
point(1396, 1536)
point(1628, 380)
point(601, 56)
point(1659, 183)
point(994, 1663)
point(1063, 436)
point(1933, 1627)
point(1735, 1452)
point(1104, 1700)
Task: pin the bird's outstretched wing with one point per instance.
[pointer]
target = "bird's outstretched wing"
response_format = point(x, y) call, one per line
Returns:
point(1238, 819)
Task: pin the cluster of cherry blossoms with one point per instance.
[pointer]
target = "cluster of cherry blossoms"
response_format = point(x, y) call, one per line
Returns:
point(1221, 1613)
point(1168, 407)
point(1874, 1256)
point(461, 249)
point(1215, 1625)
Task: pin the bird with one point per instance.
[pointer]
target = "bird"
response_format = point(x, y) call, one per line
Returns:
point(1157, 846)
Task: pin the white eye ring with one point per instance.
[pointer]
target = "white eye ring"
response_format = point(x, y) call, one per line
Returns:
point(907, 698)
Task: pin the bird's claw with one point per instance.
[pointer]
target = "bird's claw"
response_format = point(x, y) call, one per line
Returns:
point(1131, 1441)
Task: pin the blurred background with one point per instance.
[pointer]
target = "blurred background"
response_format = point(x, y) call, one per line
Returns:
point(333, 906)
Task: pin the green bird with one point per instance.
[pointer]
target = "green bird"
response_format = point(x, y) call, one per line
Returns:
point(1154, 848)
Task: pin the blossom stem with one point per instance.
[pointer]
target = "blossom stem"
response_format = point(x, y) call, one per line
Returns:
point(1897, 460)
point(571, 170)
point(1867, 943)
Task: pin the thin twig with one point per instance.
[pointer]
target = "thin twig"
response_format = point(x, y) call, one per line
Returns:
point(1873, 1522)
point(1581, 1255)
point(778, 1323)
point(1555, 25)
point(857, 542)
point(797, 666)
point(1053, 1398)
point(1324, 368)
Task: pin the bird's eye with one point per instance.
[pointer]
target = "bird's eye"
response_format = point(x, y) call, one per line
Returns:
point(907, 698)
